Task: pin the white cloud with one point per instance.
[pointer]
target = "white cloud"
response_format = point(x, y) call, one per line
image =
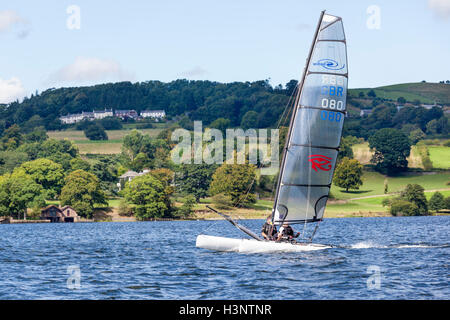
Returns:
point(11, 90)
point(91, 69)
point(440, 7)
point(11, 21)
point(194, 72)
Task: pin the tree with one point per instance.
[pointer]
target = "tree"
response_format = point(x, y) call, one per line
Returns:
point(59, 151)
point(236, 181)
point(95, 132)
point(345, 149)
point(11, 139)
point(148, 196)
point(437, 202)
point(400, 207)
point(416, 135)
point(195, 179)
point(186, 209)
point(82, 191)
point(249, 120)
point(132, 144)
point(111, 123)
point(415, 193)
point(18, 192)
point(392, 147)
point(401, 100)
point(447, 203)
point(79, 164)
point(371, 94)
point(348, 174)
point(221, 124)
point(10, 160)
point(186, 123)
point(37, 135)
point(46, 173)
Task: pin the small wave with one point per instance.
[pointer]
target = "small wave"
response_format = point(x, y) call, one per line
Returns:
point(420, 246)
point(366, 245)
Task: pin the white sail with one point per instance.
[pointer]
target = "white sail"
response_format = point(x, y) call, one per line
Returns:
point(316, 128)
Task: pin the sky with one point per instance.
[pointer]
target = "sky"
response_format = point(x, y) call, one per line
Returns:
point(51, 44)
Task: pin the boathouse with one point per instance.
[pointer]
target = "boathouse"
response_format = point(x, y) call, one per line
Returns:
point(59, 214)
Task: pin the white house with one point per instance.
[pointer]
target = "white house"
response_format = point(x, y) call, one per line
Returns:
point(128, 176)
point(103, 114)
point(365, 112)
point(157, 114)
point(71, 118)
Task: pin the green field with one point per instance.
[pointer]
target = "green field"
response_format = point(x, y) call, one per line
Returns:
point(373, 184)
point(425, 92)
point(111, 146)
point(440, 156)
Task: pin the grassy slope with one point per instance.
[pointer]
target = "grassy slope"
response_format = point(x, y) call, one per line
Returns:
point(425, 92)
point(111, 146)
point(373, 184)
point(440, 156)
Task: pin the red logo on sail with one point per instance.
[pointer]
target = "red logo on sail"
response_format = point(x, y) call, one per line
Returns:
point(321, 162)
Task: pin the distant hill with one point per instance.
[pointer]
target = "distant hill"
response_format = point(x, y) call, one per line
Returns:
point(200, 100)
point(427, 93)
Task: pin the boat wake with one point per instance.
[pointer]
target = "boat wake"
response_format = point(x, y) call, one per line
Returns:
point(373, 245)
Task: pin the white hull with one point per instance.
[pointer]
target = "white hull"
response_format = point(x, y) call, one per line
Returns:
point(253, 246)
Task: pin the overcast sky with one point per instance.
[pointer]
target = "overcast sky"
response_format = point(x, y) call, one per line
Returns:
point(48, 44)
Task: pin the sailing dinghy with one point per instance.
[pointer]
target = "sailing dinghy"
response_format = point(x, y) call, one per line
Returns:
point(311, 149)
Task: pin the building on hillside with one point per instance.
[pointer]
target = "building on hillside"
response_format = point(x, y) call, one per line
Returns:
point(126, 114)
point(128, 176)
point(400, 107)
point(87, 115)
point(365, 112)
point(430, 106)
point(59, 214)
point(103, 114)
point(71, 118)
point(156, 114)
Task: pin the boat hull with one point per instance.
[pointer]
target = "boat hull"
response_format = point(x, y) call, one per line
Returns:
point(253, 246)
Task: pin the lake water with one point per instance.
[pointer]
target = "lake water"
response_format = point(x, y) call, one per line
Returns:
point(376, 258)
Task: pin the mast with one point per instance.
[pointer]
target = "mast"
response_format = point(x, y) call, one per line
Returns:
point(294, 112)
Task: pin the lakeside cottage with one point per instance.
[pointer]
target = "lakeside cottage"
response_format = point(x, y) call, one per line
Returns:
point(59, 214)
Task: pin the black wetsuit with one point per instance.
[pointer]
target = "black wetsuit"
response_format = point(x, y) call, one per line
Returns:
point(267, 228)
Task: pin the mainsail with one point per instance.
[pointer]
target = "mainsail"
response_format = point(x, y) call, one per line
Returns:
point(315, 130)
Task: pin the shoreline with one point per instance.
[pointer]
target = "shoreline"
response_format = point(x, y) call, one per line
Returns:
point(355, 215)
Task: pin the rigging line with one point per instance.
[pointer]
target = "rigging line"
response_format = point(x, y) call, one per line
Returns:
point(261, 164)
point(280, 121)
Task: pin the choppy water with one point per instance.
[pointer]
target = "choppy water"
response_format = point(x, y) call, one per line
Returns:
point(377, 258)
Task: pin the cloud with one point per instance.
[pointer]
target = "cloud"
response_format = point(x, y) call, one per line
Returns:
point(85, 69)
point(11, 90)
point(194, 72)
point(441, 8)
point(11, 21)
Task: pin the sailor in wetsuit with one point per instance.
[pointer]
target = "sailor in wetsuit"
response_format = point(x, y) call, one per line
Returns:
point(269, 230)
point(286, 233)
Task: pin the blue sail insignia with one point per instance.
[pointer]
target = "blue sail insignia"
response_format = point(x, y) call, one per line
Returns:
point(329, 64)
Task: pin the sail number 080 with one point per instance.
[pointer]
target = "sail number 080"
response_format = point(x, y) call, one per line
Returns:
point(332, 104)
